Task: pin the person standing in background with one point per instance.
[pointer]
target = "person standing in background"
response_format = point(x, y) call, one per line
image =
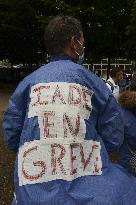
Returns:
point(116, 75)
point(127, 152)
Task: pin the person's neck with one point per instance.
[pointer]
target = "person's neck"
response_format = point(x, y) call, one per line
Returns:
point(69, 53)
point(115, 81)
point(61, 56)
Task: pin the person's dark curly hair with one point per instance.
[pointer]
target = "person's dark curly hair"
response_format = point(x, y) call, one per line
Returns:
point(114, 71)
point(59, 32)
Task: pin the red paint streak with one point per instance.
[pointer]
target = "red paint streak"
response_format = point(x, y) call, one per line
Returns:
point(73, 130)
point(87, 93)
point(58, 159)
point(73, 89)
point(84, 162)
point(73, 158)
point(38, 163)
point(38, 91)
point(47, 124)
point(58, 94)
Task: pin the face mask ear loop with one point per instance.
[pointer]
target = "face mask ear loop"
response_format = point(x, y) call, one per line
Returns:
point(77, 53)
point(80, 43)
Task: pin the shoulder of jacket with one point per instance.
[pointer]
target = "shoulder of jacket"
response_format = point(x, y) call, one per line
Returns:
point(111, 85)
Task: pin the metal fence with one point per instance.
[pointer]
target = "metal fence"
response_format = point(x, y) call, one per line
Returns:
point(127, 68)
point(17, 74)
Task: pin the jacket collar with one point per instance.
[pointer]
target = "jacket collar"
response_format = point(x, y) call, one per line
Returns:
point(61, 57)
point(112, 81)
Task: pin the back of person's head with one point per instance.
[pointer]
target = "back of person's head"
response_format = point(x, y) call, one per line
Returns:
point(114, 72)
point(59, 32)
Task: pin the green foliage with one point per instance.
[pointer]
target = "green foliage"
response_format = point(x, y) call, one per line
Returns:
point(131, 33)
point(22, 25)
point(20, 30)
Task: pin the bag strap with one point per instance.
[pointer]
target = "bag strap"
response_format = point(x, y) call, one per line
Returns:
point(112, 86)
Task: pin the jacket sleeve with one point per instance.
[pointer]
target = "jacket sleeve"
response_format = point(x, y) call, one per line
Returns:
point(110, 125)
point(130, 129)
point(14, 118)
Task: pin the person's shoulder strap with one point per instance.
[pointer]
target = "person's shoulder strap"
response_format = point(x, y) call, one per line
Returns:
point(111, 84)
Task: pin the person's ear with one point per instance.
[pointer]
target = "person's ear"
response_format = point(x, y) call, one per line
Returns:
point(72, 43)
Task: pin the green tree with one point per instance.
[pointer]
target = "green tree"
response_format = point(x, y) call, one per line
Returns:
point(22, 25)
point(104, 25)
point(21, 33)
point(131, 33)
